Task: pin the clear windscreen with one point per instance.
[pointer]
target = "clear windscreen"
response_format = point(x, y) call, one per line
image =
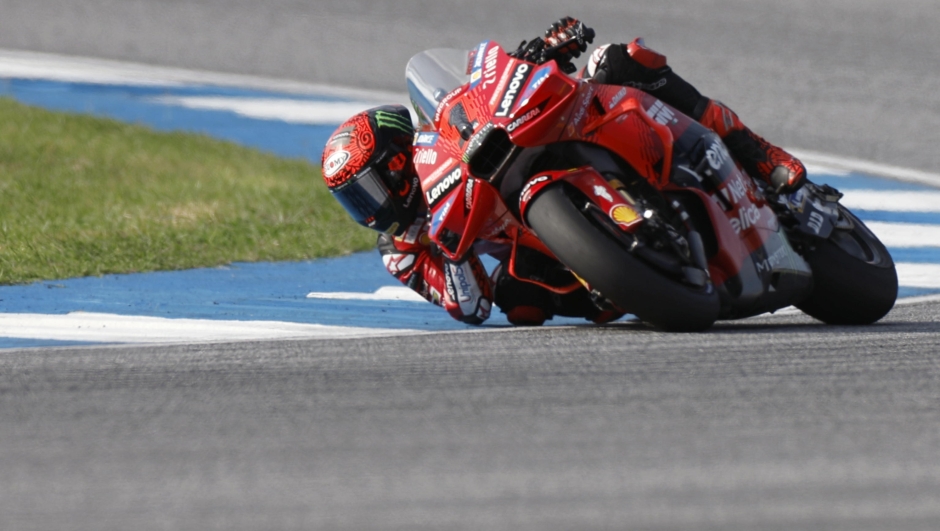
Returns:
point(431, 75)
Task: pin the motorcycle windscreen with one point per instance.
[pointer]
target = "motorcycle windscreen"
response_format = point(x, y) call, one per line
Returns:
point(430, 76)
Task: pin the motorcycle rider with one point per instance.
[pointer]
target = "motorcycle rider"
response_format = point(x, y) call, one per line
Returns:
point(367, 164)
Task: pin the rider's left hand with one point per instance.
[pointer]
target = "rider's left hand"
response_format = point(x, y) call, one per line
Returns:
point(566, 39)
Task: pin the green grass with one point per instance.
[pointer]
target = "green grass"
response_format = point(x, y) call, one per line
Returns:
point(84, 196)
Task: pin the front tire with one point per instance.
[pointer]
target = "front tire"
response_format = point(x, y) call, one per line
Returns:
point(634, 286)
point(854, 278)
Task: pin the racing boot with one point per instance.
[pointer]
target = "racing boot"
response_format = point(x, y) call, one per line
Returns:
point(759, 158)
point(635, 65)
point(526, 304)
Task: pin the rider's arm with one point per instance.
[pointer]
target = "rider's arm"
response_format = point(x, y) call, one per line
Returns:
point(461, 288)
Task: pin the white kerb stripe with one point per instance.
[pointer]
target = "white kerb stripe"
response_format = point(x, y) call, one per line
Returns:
point(904, 201)
point(385, 293)
point(110, 328)
point(905, 234)
point(919, 275)
point(287, 110)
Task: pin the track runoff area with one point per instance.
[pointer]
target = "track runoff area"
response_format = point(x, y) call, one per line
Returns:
point(332, 298)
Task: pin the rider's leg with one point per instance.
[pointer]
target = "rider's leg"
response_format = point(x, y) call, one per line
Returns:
point(637, 66)
point(526, 304)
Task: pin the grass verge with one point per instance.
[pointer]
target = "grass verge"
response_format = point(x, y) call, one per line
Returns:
point(84, 196)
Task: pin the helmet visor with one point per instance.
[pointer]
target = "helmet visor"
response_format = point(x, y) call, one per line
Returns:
point(366, 198)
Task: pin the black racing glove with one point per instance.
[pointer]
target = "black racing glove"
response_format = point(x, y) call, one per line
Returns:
point(564, 40)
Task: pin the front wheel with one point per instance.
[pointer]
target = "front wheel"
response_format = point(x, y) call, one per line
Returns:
point(595, 256)
point(854, 278)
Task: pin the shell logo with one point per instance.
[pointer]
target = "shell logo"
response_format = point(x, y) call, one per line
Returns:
point(624, 215)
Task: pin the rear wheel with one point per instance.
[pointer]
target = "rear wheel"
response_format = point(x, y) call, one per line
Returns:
point(854, 279)
point(596, 255)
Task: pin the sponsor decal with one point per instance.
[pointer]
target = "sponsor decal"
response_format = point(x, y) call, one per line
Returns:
point(735, 190)
point(468, 194)
point(527, 190)
point(815, 222)
point(648, 87)
point(477, 71)
point(519, 76)
point(476, 141)
point(717, 155)
point(444, 167)
point(538, 77)
point(439, 216)
point(335, 162)
point(746, 219)
point(425, 156)
point(623, 215)
point(392, 120)
point(444, 102)
point(449, 284)
point(489, 66)
point(411, 191)
point(602, 192)
point(524, 118)
point(772, 261)
point(426, 139)
point(442, 187)
point(462, 283)
point(588, 94)
point(661, 114)
point(616, 99)
point(498, 228)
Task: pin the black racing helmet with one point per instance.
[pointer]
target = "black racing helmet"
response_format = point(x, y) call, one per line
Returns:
point(367, 166)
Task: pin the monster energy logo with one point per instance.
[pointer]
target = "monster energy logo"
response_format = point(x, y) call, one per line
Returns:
point(393, 121)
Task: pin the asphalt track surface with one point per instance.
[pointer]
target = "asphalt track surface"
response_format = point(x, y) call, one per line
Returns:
point(769, 423)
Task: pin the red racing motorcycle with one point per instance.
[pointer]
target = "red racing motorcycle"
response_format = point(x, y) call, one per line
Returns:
point(606, 187)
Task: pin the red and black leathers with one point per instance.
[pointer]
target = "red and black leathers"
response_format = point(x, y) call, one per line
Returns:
point(462, 288)
point(467, 293)
point(637, 66)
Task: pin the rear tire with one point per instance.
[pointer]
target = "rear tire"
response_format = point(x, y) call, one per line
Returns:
point(634, 286)
point(854, 278)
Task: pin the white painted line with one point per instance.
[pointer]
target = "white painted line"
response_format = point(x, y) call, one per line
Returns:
point(33, 65)
point(385, 293)
point(895, 201)
point(923, 299)
point(816, 170)
point(287, 110)
point(919, 275)
point(905, 235)
point(110, 328)
point(813, 158)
